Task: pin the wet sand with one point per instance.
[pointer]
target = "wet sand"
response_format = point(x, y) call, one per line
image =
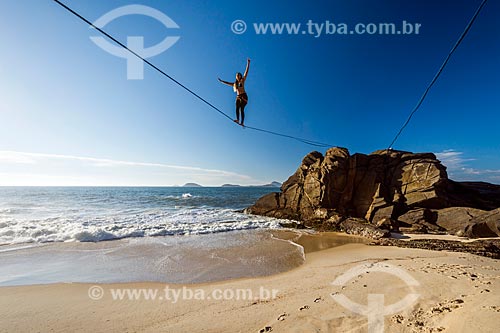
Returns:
point(171, 259)
point(458, 292)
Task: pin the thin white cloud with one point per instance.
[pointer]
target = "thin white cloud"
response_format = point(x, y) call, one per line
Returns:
point(42, 165)
point(24, 157)
point(459, 169)
point(453, 159)
point(472, 171)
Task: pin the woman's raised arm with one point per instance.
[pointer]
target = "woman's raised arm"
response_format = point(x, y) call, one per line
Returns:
point(246, 70)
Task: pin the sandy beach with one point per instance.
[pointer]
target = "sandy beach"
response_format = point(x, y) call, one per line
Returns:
point(457, 292)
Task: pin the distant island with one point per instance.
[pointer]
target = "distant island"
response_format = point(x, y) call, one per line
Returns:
point(272, 184)
point(191, 185)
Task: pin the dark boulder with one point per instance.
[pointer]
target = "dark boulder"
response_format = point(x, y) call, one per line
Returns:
point(387, 187)
point(360, 227)
point(484, 225)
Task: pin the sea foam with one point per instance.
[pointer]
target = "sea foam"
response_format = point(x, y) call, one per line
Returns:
point(150, 223)
point(42, 215)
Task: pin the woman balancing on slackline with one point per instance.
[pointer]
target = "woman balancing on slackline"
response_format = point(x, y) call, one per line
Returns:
point(241, 97)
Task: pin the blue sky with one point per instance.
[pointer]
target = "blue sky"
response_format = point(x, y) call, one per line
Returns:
point(69, 116)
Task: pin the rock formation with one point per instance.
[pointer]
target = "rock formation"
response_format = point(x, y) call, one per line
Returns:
point(386, 189)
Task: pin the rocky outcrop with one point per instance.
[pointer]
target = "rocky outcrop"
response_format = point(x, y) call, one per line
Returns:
point(390, 189)
point(481, 247)
point(361, 228)
point(469, 222)
point(484, 225)
point(456, 219)
point(419, 220)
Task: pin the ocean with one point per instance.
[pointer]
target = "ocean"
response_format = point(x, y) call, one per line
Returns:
point(93, 214)
point(169, 235)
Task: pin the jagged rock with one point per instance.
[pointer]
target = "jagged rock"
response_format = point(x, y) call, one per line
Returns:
point(382, 186)
point(369, 186)
point(469, 222)
point(456, 219)
point(420, 220)
point(484, 225)
point(388, 224)
point(361, 227)
point(292, 225)
point(382, 214)
point(265, 205)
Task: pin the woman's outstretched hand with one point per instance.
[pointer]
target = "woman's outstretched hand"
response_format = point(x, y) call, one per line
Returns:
point(248, 59)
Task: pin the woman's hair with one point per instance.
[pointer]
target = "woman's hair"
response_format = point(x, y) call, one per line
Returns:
point(239, 74)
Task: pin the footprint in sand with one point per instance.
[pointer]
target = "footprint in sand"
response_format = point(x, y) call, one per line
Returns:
point(282, 316)
point(492, 307)
point(398, 319)
point(305, 307)
point(319, 299)
point(447, 306)
point(266, 329)
point(419, 318)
